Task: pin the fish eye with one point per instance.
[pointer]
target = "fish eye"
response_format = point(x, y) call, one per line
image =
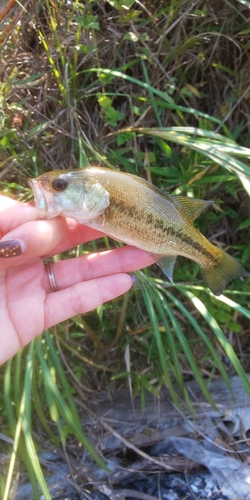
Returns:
point(59, 184)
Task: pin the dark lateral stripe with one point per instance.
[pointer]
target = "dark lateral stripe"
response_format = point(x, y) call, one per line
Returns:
point(157, 222)
point(179, 235)
point(123, 208)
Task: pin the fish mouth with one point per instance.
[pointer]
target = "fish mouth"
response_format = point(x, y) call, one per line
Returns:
point(41, 201)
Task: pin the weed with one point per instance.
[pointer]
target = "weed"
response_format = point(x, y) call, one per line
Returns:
point(161, 92)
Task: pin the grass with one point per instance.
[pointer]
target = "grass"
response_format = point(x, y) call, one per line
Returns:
point(160, 91)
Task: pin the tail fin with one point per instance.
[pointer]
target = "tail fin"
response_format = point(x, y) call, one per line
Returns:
point(218, 276)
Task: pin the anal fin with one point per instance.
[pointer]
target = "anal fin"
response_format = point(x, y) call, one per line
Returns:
point(166, 263)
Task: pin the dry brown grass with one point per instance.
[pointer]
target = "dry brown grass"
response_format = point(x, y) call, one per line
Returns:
point(197, 53)
point(200, 59)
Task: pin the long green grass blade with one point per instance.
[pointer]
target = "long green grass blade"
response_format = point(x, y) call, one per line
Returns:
point(65, 410)
point(55, 360)
point(25, 415)
point(165, 313)
point(228, 349)
point(215, 146)
point(39, 410)
point(163, 356)
point(151, 94)
point(2, 487)
point(233, 305)
point(168, 100)
point(21, 421)
point(190, 358)
point(192, 321)
point(54, 120)
point(13, 457)
point(8, 396)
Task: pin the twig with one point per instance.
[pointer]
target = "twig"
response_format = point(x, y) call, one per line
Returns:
point(134, 448)
point(117, 495)
point(8, 7)
point(9, 27)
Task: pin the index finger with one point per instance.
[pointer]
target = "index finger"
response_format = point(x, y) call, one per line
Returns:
point(76, 235)
point(14, 213)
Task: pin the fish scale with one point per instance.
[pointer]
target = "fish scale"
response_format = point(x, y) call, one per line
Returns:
point(131, 210)
point(156, 231)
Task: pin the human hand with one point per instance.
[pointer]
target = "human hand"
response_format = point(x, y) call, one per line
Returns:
point(28, 305)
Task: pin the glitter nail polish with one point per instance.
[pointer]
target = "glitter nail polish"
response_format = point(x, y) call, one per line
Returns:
point(10, 249)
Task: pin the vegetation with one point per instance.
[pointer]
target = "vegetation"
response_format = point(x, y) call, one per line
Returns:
point(161, 90)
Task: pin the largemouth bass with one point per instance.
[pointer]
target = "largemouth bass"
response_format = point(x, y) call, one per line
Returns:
point(132, 210)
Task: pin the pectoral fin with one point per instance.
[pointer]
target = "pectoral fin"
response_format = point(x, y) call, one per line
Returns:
point(166, 263)
point(191, 206)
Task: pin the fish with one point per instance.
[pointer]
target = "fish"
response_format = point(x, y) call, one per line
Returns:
point(130, 209)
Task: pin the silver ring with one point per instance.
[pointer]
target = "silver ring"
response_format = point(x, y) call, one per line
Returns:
point(51, 276)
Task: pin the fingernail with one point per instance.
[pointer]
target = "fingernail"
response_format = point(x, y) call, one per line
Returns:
point(9, 249)
point(134, 278)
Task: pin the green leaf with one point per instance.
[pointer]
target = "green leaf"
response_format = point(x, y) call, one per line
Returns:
point(113, 116)
point(244, 224)
point(104, 101)
point(121, 4)
point(88, 22)
point(29, 79)
point(122, 138)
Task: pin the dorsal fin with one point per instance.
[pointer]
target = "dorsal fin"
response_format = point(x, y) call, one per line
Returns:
point(191, 206)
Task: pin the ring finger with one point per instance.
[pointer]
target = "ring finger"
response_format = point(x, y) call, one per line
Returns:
point(68, 272)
